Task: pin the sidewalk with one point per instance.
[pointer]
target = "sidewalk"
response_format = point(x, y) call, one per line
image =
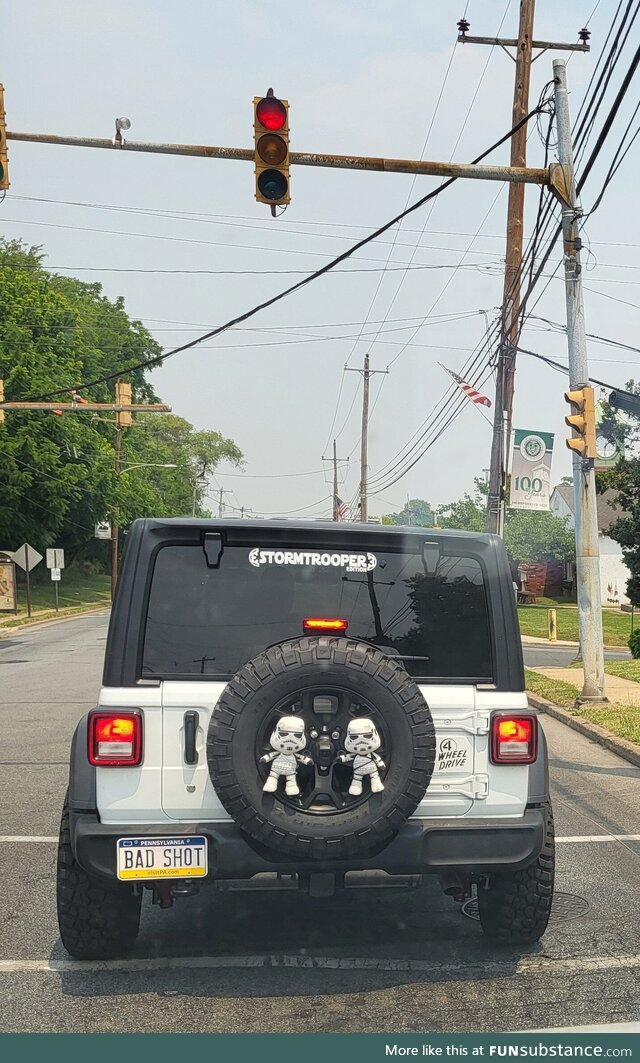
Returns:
point(619, 691)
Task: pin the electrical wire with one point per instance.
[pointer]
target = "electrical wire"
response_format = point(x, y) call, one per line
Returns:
point(159, 359)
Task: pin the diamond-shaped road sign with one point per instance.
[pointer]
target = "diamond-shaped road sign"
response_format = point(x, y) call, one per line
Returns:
point(27, 557)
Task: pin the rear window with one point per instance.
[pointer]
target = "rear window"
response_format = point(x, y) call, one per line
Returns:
point(204, 621)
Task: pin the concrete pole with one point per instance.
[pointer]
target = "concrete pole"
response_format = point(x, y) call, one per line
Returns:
point(364, 441)
point(115, 512)
point(584, 481)
point(335, 482)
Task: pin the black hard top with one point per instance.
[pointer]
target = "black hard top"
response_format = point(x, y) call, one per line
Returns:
point(149, 535)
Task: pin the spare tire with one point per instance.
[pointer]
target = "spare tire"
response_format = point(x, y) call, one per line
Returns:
point(325, 683)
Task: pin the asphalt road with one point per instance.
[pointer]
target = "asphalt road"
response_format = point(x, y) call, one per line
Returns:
point(541, 655)
point(371, 960)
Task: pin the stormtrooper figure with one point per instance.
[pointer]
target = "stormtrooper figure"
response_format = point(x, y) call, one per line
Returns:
point(287, 741)
point(361, 742)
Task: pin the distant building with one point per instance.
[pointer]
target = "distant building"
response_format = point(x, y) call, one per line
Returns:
point(613, 571)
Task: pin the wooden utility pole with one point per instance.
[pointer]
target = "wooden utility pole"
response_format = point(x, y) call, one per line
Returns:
point(364, 438)
point(509, 329)
point(335, 460)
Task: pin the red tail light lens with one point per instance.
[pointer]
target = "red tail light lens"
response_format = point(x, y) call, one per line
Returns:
point(315, 624)
point(514, 739)
point(115, 738)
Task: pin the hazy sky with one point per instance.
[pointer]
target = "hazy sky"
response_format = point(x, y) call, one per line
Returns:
point(361, 77)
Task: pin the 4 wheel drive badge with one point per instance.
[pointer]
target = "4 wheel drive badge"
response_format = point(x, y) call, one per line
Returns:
point(287, 741)
point(361, 742)
point(352, 562)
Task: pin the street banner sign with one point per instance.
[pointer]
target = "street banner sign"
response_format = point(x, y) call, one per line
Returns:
point(55, 573)
point(102, 530)
point(27, 557)
point(55, 558)
point(531, 470)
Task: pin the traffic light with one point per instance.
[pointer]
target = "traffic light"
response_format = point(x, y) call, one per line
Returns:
point(583, 422)
point(123, 398)
point(271, 135)
point(4, 166)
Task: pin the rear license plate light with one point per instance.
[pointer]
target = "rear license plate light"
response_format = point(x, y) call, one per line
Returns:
point(514, 738)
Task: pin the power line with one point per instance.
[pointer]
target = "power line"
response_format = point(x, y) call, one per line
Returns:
point(158, 359)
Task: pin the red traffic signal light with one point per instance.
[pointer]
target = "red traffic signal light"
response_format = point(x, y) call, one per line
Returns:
point(271, 141)
point(271, 113)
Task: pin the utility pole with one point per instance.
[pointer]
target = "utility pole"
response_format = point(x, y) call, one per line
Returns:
point(364, 438)
point(584, 479)
point(221, 493)
point(505, 370)
point(115, 511)
point(335, 461)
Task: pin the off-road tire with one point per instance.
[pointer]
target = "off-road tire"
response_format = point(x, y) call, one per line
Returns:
point(273, 675)
point(515, 907)
point(97, 921)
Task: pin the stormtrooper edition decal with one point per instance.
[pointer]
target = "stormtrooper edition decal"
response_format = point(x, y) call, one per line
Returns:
point(352, 562)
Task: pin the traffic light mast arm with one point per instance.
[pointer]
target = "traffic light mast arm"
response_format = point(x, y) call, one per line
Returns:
point(86, 407)
point(551, 175)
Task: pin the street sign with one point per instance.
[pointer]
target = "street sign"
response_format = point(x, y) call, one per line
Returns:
point(102, 530)
point(26, 557)
point(55, 573)
point(55, 558)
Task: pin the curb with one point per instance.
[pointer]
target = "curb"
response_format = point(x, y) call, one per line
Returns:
point(627, 750)
point(535, 640)
point(6, 631)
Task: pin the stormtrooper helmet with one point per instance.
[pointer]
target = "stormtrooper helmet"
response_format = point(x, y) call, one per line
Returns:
point(289, 736)
point(362, 737)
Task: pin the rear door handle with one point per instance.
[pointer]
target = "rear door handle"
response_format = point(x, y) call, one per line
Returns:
point(191, 720)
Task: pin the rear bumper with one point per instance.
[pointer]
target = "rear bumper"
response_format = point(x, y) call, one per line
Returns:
point(426, 846)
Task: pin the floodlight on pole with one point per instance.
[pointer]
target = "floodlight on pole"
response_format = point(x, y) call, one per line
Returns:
point(121, 124)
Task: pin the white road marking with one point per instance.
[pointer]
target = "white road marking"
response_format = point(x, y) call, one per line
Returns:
point(24, 839)
point(525, 966)
point(20, 839)
point(600, 838)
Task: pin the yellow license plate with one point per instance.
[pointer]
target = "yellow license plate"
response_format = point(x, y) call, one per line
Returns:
point(153, 858)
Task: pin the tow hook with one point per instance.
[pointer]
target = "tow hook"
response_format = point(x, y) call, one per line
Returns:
point(455, 884)
point(163, 894)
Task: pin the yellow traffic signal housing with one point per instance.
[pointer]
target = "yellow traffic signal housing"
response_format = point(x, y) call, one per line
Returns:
point(582, 421)
point(4, 165)
point(271, 139)
point(123, 398)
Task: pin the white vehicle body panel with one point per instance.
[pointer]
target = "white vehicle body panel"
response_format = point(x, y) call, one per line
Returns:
point(165, 789)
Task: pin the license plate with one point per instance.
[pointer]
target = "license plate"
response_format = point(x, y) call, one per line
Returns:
point(162, 858)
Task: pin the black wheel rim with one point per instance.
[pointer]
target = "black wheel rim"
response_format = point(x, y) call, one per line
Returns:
point(323, 784)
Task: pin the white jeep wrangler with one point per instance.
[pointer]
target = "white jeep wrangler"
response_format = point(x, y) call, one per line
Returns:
point(309, 699)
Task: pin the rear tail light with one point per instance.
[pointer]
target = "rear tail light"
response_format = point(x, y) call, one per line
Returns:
point(514, 739)
point(115, 738)
point(318, 624)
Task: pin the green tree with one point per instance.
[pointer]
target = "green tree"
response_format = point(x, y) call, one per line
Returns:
point(625, 479)
point(57, 472)
point(528, 536)
point(416, 513)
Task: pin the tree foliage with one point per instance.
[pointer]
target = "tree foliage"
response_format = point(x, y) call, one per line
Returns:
point(529, 536)
point(57, 472)
point(416, 513)
point(625, 479)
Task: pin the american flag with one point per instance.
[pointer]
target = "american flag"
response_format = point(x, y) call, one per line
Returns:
point(471, 393)
point(341, 508)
